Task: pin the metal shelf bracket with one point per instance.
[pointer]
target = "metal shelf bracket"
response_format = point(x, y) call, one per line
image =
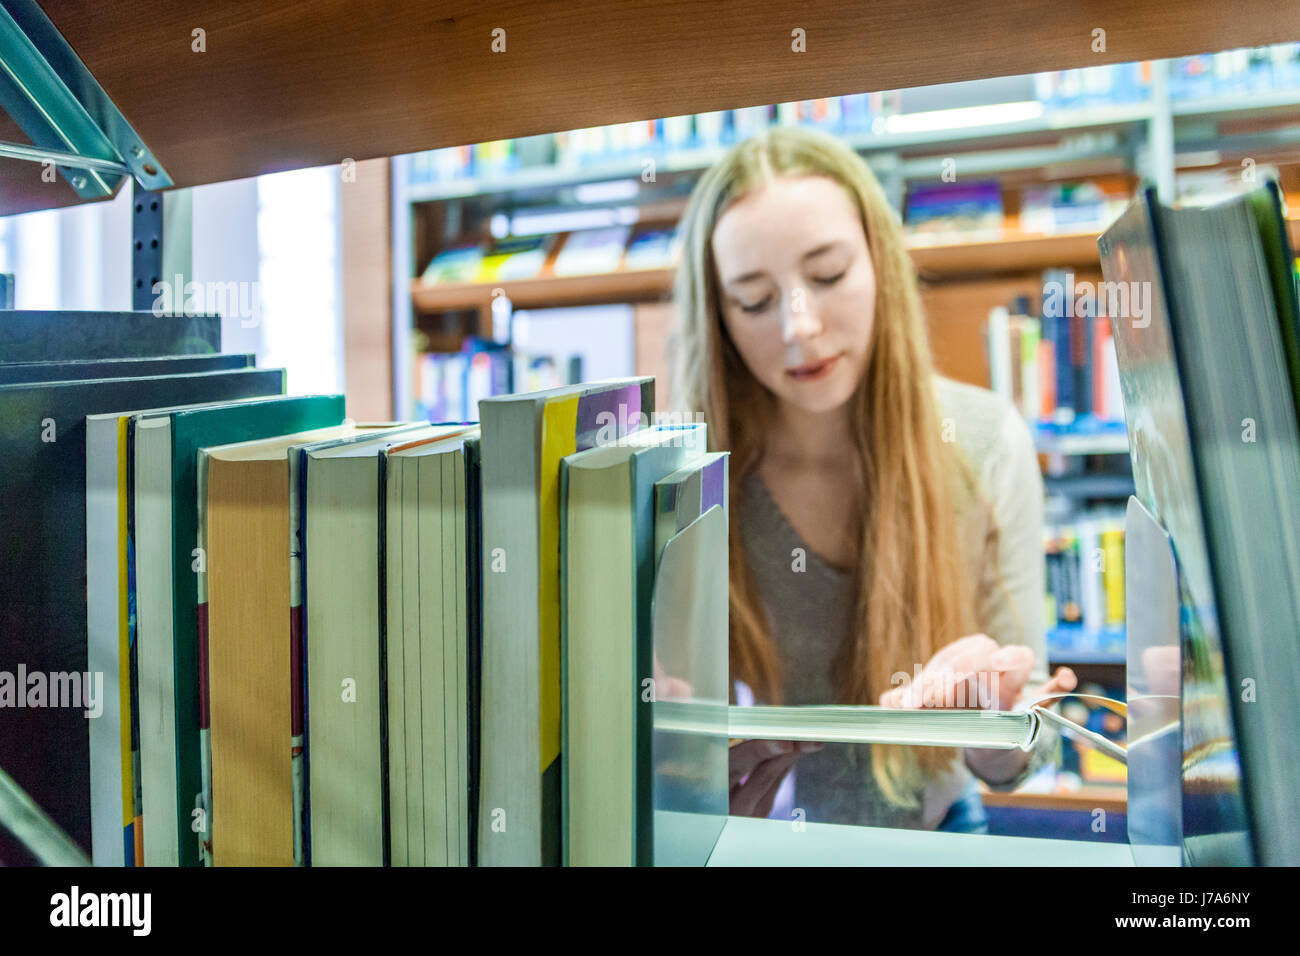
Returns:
point(71, 121)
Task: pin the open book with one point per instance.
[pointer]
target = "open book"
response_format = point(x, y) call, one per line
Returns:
point(926, 727)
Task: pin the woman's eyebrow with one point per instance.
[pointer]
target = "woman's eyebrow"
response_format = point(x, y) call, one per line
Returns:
point(823, 248)
point(810, 254)
point(747, 277)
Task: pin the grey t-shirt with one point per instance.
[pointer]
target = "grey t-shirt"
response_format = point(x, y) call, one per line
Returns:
point(809, 611)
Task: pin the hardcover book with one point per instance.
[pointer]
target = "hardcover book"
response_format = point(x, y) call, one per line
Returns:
point(607, 574)
point(43, 623)
point(1210, 377)
point(171, 629)
point(429, 647)
point(61, 336)
point(121, 368)
point(524, 438)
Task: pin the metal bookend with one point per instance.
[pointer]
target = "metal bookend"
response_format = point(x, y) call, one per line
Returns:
point(1155, 805)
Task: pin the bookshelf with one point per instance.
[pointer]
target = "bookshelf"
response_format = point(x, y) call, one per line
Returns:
point(540, 292)
point(932, 261)
point(281, 111)
point(1107, 139)
point(1057, 144)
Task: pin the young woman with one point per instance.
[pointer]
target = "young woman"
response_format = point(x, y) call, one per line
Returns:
point(885, 520)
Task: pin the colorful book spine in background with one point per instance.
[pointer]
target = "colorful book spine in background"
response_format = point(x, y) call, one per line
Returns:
point(1112, 545)
point(1082, 319)
point(1058, 288)
point(1085, 571)
point(939, 211)
point(1030, 332)
point(1046, 374)
point(999, 352)
point(449, 385)
point(1060, 368)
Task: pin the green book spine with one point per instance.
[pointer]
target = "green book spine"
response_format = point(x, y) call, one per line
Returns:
point(192, 430)
point(1266, 205)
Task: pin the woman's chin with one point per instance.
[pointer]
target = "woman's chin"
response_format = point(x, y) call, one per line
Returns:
point(815, 401)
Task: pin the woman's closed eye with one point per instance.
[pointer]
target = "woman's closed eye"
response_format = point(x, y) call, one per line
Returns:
point(757, 307)
point(830, 280)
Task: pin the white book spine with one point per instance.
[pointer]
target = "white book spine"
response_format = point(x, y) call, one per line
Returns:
point(103, 658)
point(999, 347)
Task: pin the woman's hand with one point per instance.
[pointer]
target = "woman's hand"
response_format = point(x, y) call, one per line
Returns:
point(975, 671)
point(757, 768)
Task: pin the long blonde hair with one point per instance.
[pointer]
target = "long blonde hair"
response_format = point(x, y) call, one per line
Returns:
point(913, 589)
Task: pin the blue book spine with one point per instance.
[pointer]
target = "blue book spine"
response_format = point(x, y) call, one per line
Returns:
point(1056, 329)
point(1081, 332)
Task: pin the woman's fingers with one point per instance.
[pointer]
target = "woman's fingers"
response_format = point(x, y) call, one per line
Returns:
point(1062, 682)
point(1015, 657)
point(975, 671)
point(755, 796)
point(971, 647)
point(763, 806)
point(744, 757)
point(766, 776)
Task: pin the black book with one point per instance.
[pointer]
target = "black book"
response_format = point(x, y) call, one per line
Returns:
point(34, 336)
point(43, 625)
point(24, 372)
point(1210, 374)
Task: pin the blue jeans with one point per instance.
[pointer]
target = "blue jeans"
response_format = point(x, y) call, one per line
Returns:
point(966, 815)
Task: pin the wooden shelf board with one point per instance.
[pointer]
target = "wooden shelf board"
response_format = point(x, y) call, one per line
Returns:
point(543, 291)
point(283, 84)
point(1014, 253)
point(1112, 799)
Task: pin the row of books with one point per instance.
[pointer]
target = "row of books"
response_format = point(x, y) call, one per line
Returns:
point(858, 112)
point(583, 252)
point(955, 211)
point(449, 385)
point(1248, 70)
point(1226, 73)
point(1059, 367)
point(1085, 572)
point(290, 624)
point(959, 210)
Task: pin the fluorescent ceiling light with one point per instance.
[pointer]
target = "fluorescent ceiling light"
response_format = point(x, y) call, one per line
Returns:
point(1209, 157)
point(963, 117)
point(614, 190)
point(548, 222)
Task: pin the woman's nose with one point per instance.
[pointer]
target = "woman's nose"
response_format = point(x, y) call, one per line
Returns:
point(799, 317)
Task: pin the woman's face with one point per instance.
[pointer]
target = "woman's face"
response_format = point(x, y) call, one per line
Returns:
point(798, 289)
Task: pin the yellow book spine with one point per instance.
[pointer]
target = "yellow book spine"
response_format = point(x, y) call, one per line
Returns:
point(1112, 545)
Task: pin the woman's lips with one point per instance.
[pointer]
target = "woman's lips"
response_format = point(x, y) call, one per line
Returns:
point(813, 371)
